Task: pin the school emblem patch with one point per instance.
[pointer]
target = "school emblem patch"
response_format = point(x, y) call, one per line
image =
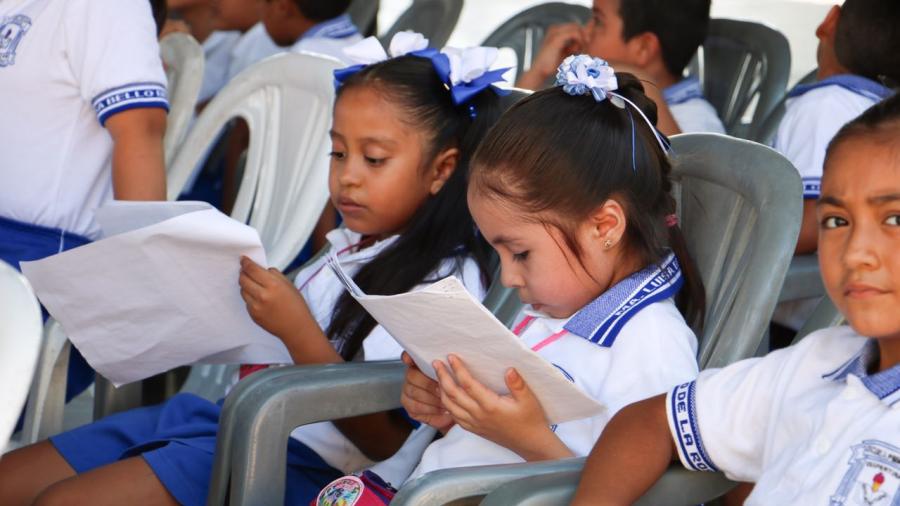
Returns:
point(873, 478)
point(344, 491)
point(12, 29)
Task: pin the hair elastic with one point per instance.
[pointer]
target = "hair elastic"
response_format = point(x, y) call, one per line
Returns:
point(586, 75)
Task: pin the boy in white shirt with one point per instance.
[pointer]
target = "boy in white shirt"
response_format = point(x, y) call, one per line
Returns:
point(815, 423)
point(858, 48)
point(652, 39)
point(311, 26)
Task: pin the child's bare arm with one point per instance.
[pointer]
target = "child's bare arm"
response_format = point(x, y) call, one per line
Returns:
point(139, 172)
point(634, 450)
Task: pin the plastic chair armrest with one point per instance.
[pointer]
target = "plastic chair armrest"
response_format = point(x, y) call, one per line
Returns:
point(468, 484)
point(262, 410)
point(677, 487)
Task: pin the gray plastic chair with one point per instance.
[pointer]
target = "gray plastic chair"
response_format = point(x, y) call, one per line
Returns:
point(742, 63)
point(677, 487)
point(722, 185)
point(525, 31)
point(435, 19)
point(825, 315)
point(364, 14)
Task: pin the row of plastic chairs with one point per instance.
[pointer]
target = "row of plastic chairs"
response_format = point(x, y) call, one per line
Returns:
point(739, 205)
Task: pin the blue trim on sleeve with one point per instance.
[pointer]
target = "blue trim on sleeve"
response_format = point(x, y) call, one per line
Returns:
point(686, 432)
point(812, 187)
point(131, 96)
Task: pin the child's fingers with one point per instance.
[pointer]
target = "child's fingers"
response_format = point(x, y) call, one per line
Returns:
point(407, 360)
point(250, 286)
point(430, 397)
point(478, 392)
point(517, 386)
point(452, 391)
point(255, 271)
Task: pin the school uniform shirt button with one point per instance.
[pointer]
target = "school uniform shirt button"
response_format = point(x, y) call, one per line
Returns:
point(822, 446)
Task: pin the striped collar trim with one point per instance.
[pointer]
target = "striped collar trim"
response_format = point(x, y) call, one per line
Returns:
point(885, 384)
point(601, 320)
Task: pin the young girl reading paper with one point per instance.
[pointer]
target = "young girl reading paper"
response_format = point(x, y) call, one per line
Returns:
point(571, 187)
point(815, 423)
point(401, 147)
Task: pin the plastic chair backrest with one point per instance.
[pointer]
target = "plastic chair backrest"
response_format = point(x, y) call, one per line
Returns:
point(435, 19)
point(743, 63)
point(740, 205)
point(364, 14)
point(525, 31)
point(184, 63)
point(20, 342)
point(769, 127)
point(287, 102)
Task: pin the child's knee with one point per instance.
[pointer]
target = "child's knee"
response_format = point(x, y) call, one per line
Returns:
point(57, 494)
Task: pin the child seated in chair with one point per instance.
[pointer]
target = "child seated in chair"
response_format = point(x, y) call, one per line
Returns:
point(859, 62)
point(311, 26)
point(401, 142)
point(652, 39)
point(815, 423)
point(572, 189)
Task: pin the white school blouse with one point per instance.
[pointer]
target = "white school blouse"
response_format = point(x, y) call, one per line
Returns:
point(66, 66)
point(251, 47)
point(321, 289)
point(329, 38)
point(807, 424)
point(691, 110)
point(629, 344)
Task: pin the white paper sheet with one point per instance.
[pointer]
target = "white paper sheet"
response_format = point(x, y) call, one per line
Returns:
point(147, 300)
point(443, 319)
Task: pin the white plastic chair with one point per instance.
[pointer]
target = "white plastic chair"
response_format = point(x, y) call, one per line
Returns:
point(183, 58)
point(20, 342)
point(286, 101)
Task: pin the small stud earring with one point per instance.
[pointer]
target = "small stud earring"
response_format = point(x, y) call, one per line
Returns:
point(607, 244)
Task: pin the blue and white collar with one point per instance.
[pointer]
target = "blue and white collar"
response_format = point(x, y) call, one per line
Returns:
point(857, 84)
point(601, 320)
point(340, 27)
point(688, 88)
point(885, 384)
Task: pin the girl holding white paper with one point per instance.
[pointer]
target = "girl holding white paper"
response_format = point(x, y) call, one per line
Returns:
point(572, 189)
point(402, 140)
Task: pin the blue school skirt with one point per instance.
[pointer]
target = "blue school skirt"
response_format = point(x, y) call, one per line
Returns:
point(22, 242)
point(178, 439)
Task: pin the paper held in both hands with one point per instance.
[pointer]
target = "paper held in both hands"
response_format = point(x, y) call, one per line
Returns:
point(159, 291)
point(443, 318)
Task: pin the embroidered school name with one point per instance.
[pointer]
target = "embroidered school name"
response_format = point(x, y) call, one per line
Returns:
point(128, 96)
point(686, 430)
point(667, 274)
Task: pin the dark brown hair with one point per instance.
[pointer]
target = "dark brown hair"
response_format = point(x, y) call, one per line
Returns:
point(558, 157)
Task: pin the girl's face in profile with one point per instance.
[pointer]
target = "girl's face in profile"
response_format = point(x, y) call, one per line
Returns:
point(859, 234)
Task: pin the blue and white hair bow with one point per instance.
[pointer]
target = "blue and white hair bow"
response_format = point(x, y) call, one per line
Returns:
point(586, 75)
point(466, 72)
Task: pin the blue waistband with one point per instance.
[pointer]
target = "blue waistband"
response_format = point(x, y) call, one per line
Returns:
point(22, 242)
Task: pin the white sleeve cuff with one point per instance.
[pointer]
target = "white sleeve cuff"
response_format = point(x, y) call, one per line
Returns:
point(682, 416)
point(130, 96)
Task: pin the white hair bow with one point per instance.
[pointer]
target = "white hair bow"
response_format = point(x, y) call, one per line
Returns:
point(370, 50)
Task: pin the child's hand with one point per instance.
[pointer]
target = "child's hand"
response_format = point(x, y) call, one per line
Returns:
point(421, 398)
point(559, 42)
point(515, 421)
point(272, 300)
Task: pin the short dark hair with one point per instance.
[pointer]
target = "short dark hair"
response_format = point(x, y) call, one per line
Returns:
point(558, 157)
point(322, 10)
point(680, 25)
point(867, 41)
